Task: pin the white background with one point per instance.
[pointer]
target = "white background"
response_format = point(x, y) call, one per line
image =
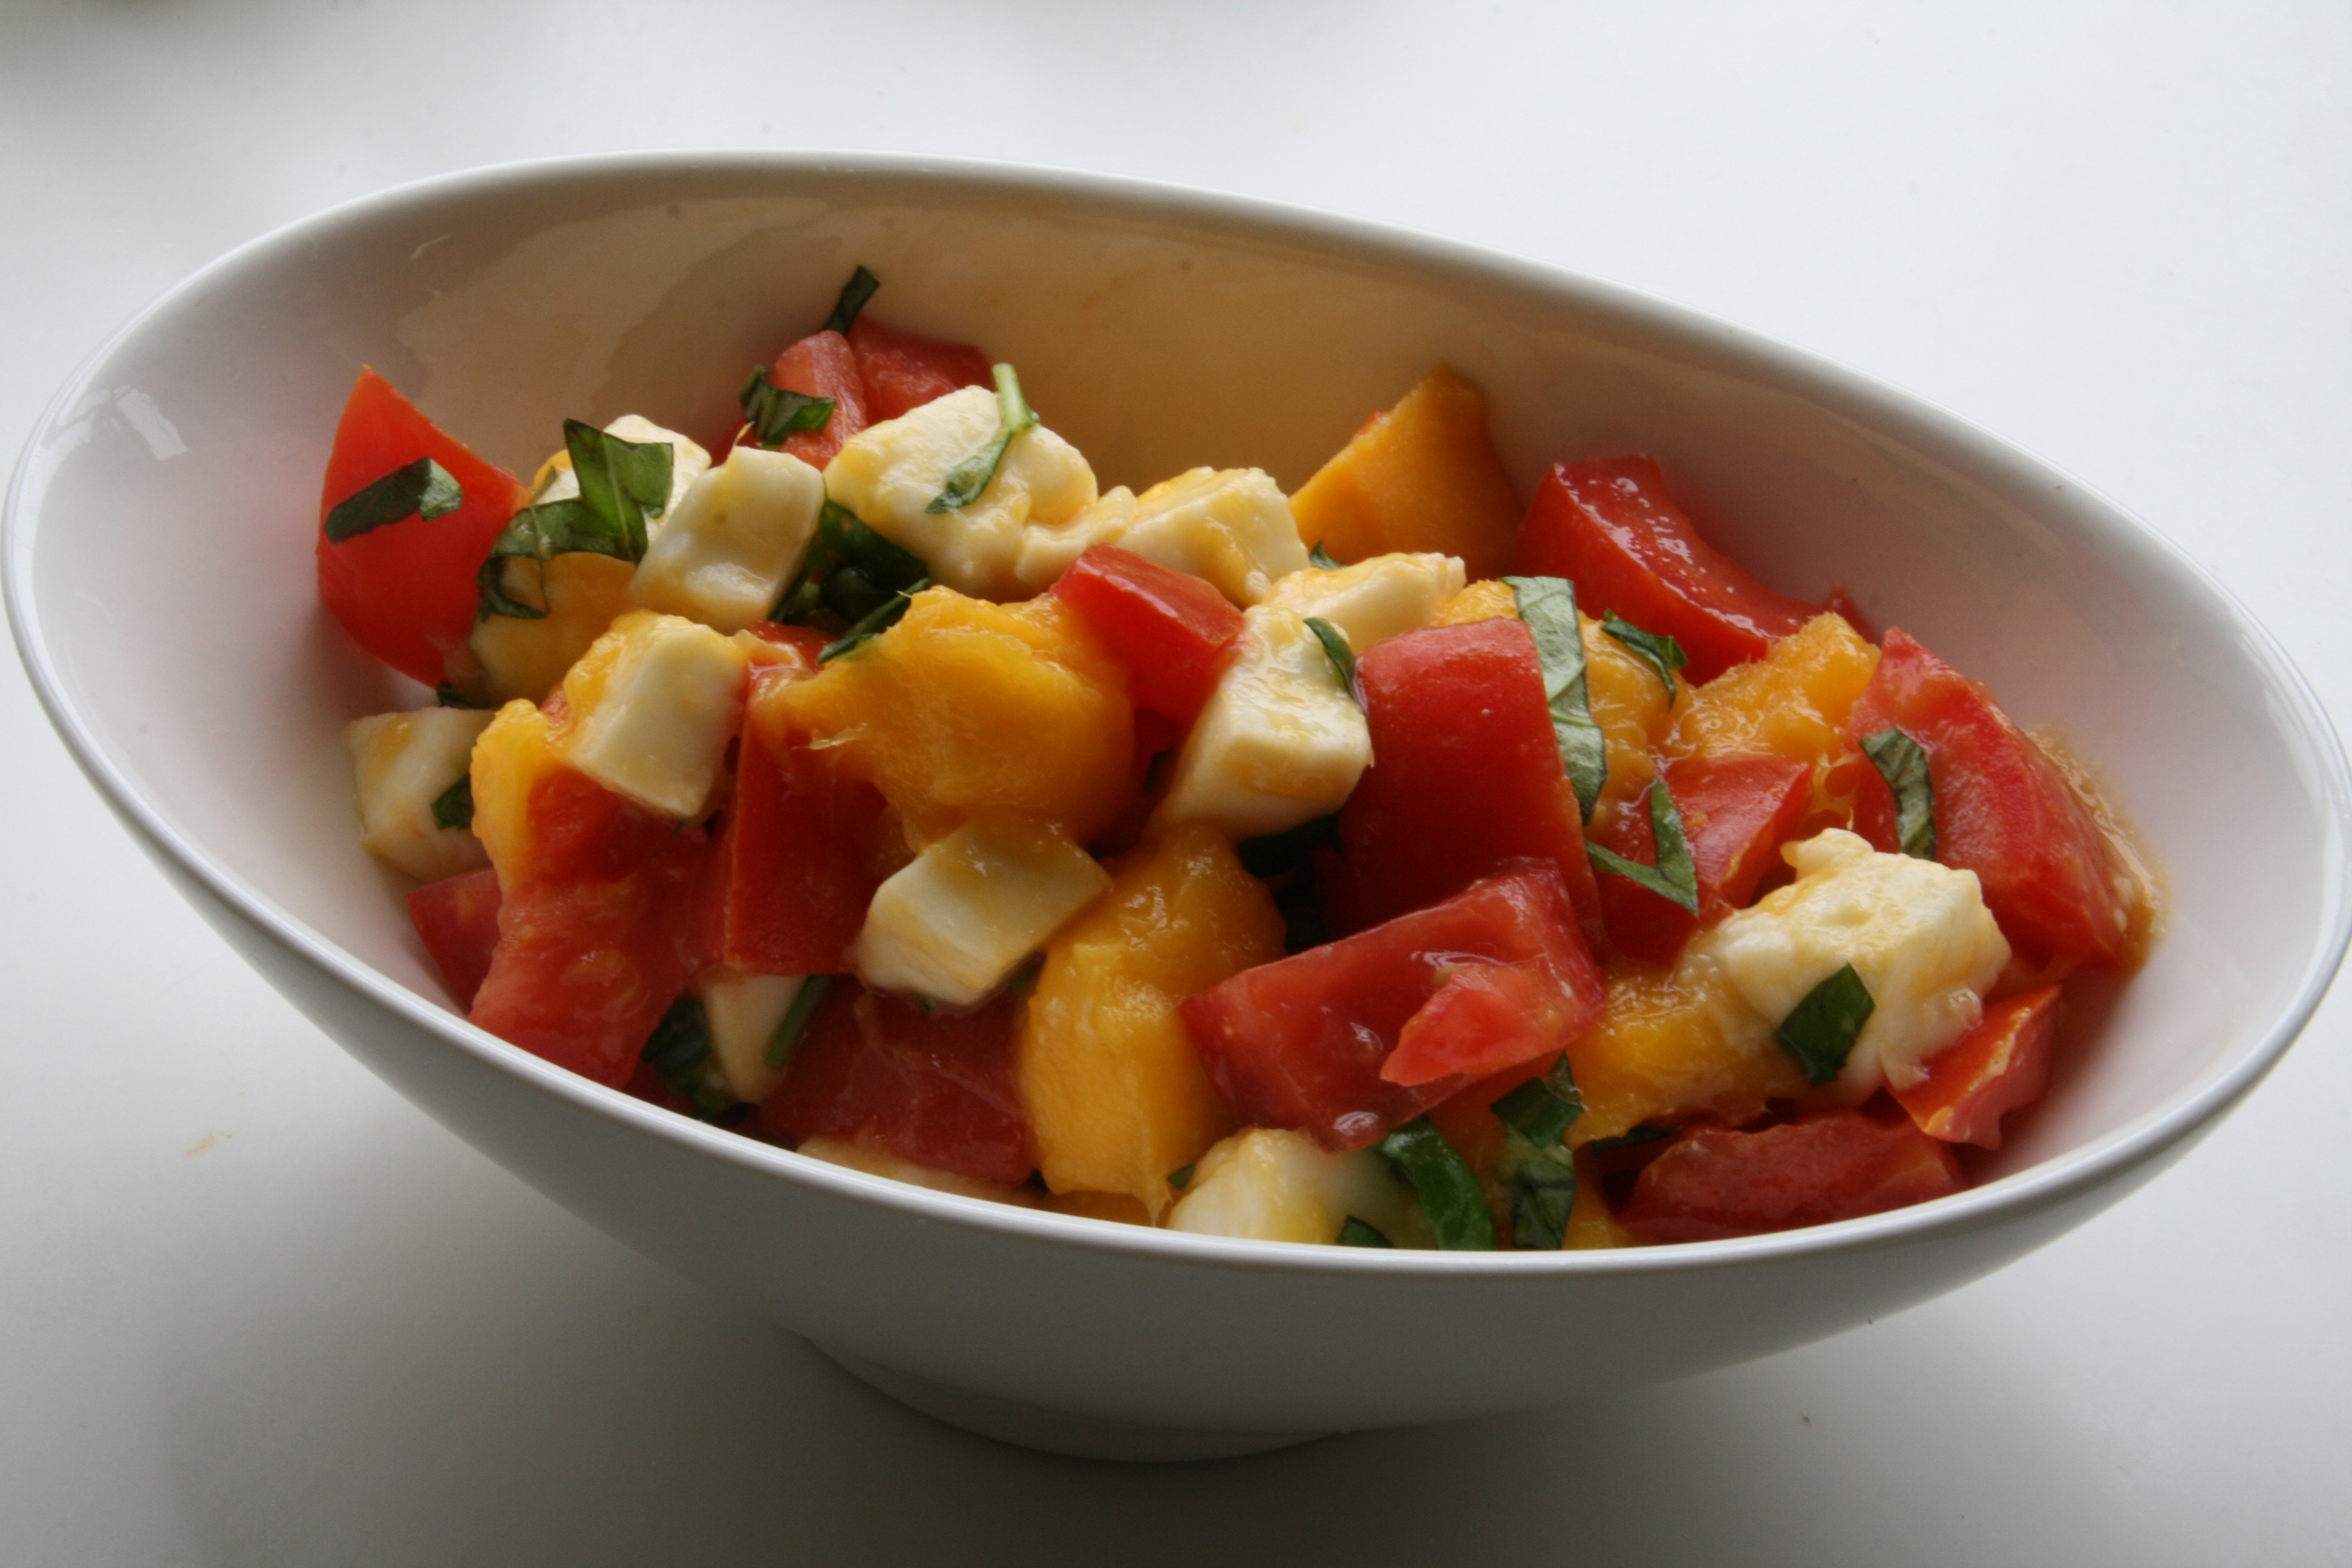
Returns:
point(255, 1310)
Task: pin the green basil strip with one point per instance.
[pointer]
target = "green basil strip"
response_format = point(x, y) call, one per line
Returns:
point(880, 620)
point(1335, 649)
point(423, 490)
point(1276, 853)
point(849, 571)
point(1634, 1139)
point(679, 1049)
point(854, 295)
point(1321, 559)
point(968, 479)
point(1662, 653)
point(1674, 878)
point(1450, 1192)
point(775, 413)
point(448, 696)
point(1547, 604)
point(1819, 1032)
point(622, 482)
point(796, 1021)
point(1361, 1233)
point(1901, 761)
point(1535, 1168)
point(453, 806)
point(1180, 1179)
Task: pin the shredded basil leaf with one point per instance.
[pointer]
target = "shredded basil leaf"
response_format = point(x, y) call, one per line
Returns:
point(1321, 559)
point(854, 295)
point(1335, 649)
point(1634, 1139)
point(1820, 1031)
point(968, 479)
point(849, 572)
point(679, 1050)
point(453, 806)
point(1535, 1168)
point(1662, 653)
point(1276, 853)
point(622, 484)
point(1182, 1178)
point(796, 1021)
point(1547, 604)
point(1674, 878)
point(421, 490)
point(1361, 1233)
point(1901, 761)
point(774, 412)
point(873, 624)
point(1450, 1192)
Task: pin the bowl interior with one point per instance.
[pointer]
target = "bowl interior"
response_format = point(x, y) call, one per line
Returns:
point(161, 561)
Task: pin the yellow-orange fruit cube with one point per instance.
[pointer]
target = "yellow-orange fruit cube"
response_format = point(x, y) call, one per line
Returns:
point(1675, 1042)
point(1424, 476)
point(1116, 1095)
point(1792, 702)
point(519, 747)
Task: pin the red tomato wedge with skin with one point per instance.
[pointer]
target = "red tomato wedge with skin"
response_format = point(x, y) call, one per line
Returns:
point(2001, 1065)
point(901, 371)
point(599, 932)
point(1174, 632)
point(822, 364)
point(1716, 1182)
point(1486, 1017)
point(938, 1088)
point(405, 589)
point(457, 919)
point(1611, 527)
point(1466, 777)
point(1301, 1042)
point(2050, 876)
point(1737, 812)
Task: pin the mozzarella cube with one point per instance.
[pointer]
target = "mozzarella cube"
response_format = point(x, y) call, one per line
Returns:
point(735, 540)
point(652, 705)
point(742, 1013)
point(1919, 934)
point(1231, 526)
point(888, 475)
point(955, 921)
point(688, 460)
point(1373, 599)
point(1267, 1183)
point(402, 764)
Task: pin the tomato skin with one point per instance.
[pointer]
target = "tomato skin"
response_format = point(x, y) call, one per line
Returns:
point(405, 589)
point(902, 372)
point(1173, 631)
point(938, 1088)
point(1716, 1182)
point(600, 932)
point(1466, 777)
point(1486, 1017)
point(1301, 1042)
point(1737, 812)
point(457, 919)
point(2001, 1064)
point(2002, 810)
point(822, 364)
point(1611, 527)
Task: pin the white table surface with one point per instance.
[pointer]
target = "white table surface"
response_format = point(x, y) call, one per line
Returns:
point(254, 1309)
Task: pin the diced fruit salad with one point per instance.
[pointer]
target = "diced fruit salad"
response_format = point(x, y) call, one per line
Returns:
point(1391, 864)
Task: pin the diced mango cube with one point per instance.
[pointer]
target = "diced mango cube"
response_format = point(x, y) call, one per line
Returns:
point(1792, 702)
point(1424, 476)
point(1675, 1042)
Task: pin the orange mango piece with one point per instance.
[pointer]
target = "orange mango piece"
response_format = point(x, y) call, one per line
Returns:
point(1424, 476)
point(1792, 702)
point(1675, 1043)
point(1116, 1096)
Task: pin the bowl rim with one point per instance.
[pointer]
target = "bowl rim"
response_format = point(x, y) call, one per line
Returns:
point(1920, 424)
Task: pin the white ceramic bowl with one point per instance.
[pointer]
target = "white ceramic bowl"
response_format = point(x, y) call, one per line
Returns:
point(159, 577)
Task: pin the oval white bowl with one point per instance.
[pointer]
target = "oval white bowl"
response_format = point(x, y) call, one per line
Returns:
point(158, 580)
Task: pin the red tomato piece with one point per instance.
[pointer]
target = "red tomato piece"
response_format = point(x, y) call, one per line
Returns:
point(599, 933)
point(1173, 631)
point(938, 1088)
point(1486, 1017)
point(822, 364)
point(405, 589)
point(1611, 527)
point(800, 853)
point(2059, 888)
point(1301, 1042)
point(457, 918)
point(1714, 1182)
point(2001, 1064)
point(903, 372)
point(1737, 812)
point(1466, 777)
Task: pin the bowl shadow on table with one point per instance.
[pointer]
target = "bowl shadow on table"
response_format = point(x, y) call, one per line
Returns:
point(512, 1387)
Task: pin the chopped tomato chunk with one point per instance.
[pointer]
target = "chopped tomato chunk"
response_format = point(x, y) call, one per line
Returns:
point(1715, 1182)
point(2001, 1064)
point(1485, 1017)
point(1737, 812)
point(902, 372)
point(457, 918)
point(1173, 631)
point(822, 364)
point(1611, 527)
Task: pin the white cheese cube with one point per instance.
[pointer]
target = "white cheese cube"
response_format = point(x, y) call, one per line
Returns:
point(1265, 1184)
point(1373, 599)
point(956, 920)
point(1917, 933)
point(688, 460)
point(1231, 526)
point(734, 540)
point(653, 707)
point(742, 1012)
point(1280, 740)
point(888, 475)
point(402, 764)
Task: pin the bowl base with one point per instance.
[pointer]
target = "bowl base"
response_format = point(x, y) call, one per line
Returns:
point(1055, 1431)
